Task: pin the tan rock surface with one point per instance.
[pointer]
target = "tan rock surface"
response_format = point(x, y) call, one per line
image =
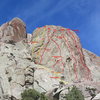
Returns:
point(14, 30)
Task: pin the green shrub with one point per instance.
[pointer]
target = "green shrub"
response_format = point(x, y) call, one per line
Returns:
point(43, 97)
point(32, 94)
point(74, 94)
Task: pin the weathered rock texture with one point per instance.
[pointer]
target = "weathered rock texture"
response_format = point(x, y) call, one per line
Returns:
point(50, 60)
point(14, 69)
point(15, 30)
point(93, 63)
point(59, 48)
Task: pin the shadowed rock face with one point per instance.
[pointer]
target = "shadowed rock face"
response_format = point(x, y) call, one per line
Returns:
point(15, 30)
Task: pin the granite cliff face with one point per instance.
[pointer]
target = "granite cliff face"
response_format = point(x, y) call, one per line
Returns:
point(59, 48)
point(50, 58)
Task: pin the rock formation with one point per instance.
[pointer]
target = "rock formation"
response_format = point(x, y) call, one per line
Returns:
point(15, 30)
point(50, 60)
point(59, 48)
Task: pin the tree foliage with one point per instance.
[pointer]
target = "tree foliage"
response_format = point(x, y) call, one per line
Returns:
point(74, 94)
point(32, 94)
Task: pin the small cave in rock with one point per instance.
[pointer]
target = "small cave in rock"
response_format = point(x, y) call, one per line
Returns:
point(11, 54)
point(9, 79)
point(68, 59)
point(28, 58)
point(11, 42)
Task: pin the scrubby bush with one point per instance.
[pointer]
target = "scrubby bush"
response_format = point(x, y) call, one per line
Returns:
point(43, 97)
point(74, 94)
point(32, 94)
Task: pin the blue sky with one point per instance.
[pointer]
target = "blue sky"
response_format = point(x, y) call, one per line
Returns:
point(83, 15)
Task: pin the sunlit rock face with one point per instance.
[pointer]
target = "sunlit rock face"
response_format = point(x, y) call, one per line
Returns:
point(13, 31)
point(50, 60)
point(59, 49)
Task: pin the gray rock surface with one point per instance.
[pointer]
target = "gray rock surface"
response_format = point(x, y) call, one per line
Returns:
point(50, 60)
point(14, 69)
point(97, 97)
point(18, 72)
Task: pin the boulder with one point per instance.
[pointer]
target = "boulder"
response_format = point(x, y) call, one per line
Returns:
point(13, 31)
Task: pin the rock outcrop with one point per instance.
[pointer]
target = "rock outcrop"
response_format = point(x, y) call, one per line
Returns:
point(13, 31)
point(16, 70)
point(50, 60)
point(59, 48)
